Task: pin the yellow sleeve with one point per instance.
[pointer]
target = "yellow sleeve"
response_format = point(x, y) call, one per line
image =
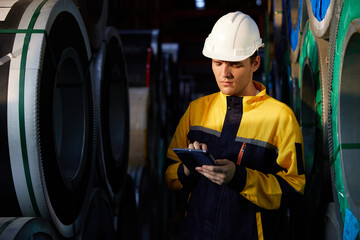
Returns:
point(179, 140)
point(270, 190)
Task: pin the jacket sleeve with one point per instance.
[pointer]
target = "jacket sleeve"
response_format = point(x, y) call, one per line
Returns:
point(174, 176)
point(285, 185)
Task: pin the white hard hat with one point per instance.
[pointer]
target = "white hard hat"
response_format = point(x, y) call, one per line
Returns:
point(234, 37)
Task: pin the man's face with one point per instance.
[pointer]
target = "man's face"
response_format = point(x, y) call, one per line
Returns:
point(235, 78)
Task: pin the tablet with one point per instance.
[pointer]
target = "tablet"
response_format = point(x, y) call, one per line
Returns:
point(194, 157)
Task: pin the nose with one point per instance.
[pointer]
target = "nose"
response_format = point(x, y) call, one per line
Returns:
point(225, 70)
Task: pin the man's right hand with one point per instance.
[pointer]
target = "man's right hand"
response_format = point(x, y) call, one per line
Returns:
point(195, 145)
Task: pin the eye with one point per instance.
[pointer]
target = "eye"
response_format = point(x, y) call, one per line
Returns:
point(217, 63)
point(236, 65)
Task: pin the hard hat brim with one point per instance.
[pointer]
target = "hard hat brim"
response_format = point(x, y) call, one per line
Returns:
point(227, 57)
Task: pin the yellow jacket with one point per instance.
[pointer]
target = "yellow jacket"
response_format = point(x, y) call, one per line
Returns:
point(269, 173)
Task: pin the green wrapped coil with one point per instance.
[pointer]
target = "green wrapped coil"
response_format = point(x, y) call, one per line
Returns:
point(344, 91)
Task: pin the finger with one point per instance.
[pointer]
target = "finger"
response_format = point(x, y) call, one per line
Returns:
point(216, 178)
point(203, 146)
point(219, 174)
point(191, 146)
point(203, 171)
point(210, 168)
point(186, 170)
point(196, 145)
point(209, 172)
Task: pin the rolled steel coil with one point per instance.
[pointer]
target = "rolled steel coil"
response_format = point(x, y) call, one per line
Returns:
point(48, 121)
point(344, 92)
point(142, 57)
point(313, 86)
point(320, 14)
point(295, 22)
point(310, 95)
point(25, 228)
point(95, 15)
point(112, 100)
point(99, 220)
point(139, 115)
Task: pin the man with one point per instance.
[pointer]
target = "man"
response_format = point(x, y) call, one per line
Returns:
point(255, 139)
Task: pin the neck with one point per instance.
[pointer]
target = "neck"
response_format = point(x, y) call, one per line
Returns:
point(250, 90)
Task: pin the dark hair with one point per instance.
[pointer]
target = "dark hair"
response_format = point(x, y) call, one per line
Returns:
point(252, 57)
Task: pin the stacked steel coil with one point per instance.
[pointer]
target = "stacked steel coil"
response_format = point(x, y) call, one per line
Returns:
point(65, 120)
point(21, 228)
point(324, 97)
point(111, 87)
point(343, 95)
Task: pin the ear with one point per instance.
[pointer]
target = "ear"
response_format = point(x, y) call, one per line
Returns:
point(256, 63)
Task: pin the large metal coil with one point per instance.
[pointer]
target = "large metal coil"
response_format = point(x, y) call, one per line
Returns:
point(48, 113)
point(313, 85)
point(310, 115)
point(320, 14)
point(142, 53)
point(112, 99)
point(95, 16)
point(344, 117)
point(139, 110)
point(25, 228)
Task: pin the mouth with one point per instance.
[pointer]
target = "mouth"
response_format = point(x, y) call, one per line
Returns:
point(225, 83)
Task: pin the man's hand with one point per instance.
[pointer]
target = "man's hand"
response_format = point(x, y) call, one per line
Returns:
point(195, 145)
point(221, 174)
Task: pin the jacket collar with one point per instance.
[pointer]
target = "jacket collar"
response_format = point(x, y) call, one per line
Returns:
point(250, 101)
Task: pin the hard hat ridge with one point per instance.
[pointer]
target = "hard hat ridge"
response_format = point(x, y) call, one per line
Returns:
point(234, 37)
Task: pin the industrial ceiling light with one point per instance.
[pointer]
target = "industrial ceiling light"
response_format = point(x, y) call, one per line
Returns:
point(200, 4)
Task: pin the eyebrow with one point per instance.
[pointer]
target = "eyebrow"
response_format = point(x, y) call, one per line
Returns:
point(240, 63)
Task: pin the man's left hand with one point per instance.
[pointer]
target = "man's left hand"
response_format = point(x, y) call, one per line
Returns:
point(221, 174)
